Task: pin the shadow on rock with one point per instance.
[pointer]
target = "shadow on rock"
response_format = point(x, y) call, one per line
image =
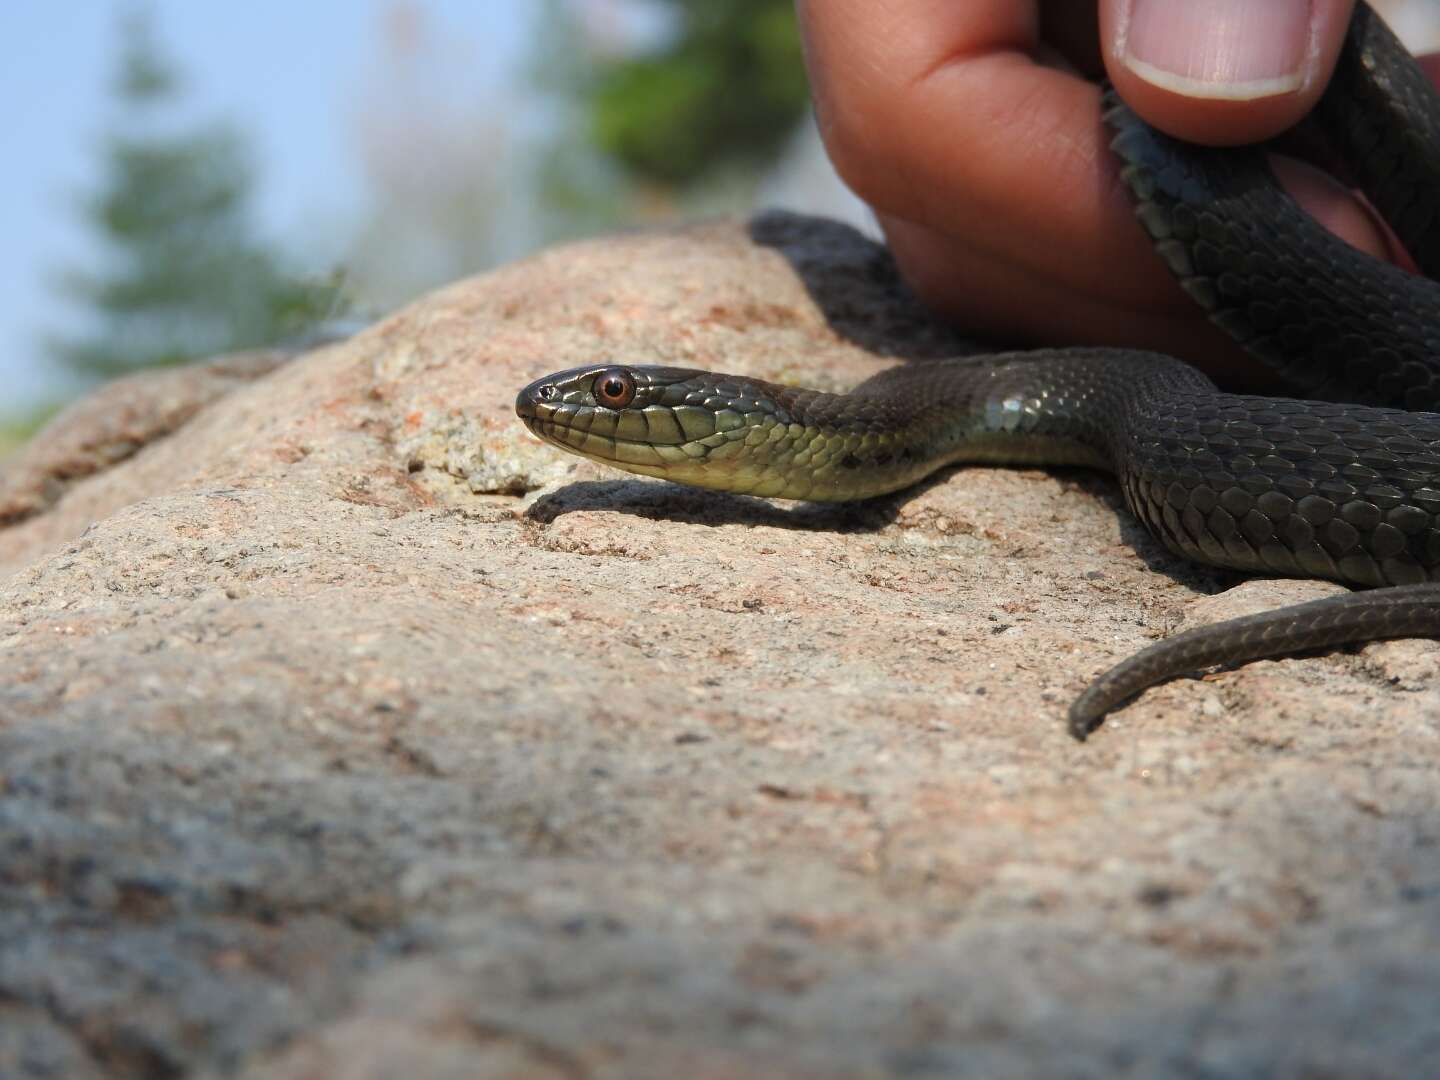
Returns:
point(664, 501)
point(1157, 557)
point(856, 285)
point(660, 500)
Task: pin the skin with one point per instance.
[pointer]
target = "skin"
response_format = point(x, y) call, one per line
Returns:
point(973, 130)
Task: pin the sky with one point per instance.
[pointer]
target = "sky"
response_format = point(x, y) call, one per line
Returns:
point(290, 74)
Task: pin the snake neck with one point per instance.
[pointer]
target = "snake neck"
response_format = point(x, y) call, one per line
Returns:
point(1062, 407)
point(1070, 407)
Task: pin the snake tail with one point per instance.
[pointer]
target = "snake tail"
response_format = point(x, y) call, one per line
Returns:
point(1346, 619)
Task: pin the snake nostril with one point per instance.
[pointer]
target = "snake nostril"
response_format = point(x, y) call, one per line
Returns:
point(547, 392)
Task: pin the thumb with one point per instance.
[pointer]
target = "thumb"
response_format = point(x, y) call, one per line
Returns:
point(1222, 71)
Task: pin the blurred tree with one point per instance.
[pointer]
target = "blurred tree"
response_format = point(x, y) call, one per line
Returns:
point(440, 133)
point(582, 189)
point(724, 92)
point(183, 274)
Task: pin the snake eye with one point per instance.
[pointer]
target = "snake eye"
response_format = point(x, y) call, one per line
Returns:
point(614, 388)
point(547, 392)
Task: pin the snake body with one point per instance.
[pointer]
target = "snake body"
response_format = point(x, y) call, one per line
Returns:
point(1345, 488)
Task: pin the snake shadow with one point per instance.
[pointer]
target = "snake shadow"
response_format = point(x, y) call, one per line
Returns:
point(1158, 559)
point(660, 500)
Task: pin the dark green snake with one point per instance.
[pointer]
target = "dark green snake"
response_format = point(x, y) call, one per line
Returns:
point(1307, 488)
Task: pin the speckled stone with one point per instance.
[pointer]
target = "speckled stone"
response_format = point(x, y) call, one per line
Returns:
point(346, 730)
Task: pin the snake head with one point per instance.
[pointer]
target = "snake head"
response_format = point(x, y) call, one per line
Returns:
point(683, 425)
point(645, 419)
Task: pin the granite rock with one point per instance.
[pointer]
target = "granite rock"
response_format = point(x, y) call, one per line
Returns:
point(347, 731)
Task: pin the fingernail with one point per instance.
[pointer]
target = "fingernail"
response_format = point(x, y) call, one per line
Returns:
point(1236, 50)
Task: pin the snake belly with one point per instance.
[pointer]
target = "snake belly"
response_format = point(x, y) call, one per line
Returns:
point(1346, 488)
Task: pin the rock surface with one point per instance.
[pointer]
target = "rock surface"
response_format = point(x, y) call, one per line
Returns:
point(345, 730)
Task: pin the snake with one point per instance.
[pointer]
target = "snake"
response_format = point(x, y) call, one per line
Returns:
point(1340, 481)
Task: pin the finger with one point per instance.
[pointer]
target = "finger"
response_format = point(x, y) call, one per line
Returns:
point(993, 177)
point(1222, 72)
point(936, 112)
point(1336, 207)
point(996, 297)
point(1009, 303)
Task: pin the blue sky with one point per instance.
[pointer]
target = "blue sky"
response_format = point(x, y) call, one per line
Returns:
point(288, 73)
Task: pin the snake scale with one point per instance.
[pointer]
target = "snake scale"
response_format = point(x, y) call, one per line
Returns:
point(1341, 481)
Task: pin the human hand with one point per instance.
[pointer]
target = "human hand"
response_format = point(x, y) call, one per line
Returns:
point(972, 127)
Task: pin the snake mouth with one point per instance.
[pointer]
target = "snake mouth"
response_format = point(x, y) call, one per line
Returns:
point(649, 456)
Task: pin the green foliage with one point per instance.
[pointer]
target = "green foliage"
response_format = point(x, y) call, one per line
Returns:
point(726, 92)
point(183, 275)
